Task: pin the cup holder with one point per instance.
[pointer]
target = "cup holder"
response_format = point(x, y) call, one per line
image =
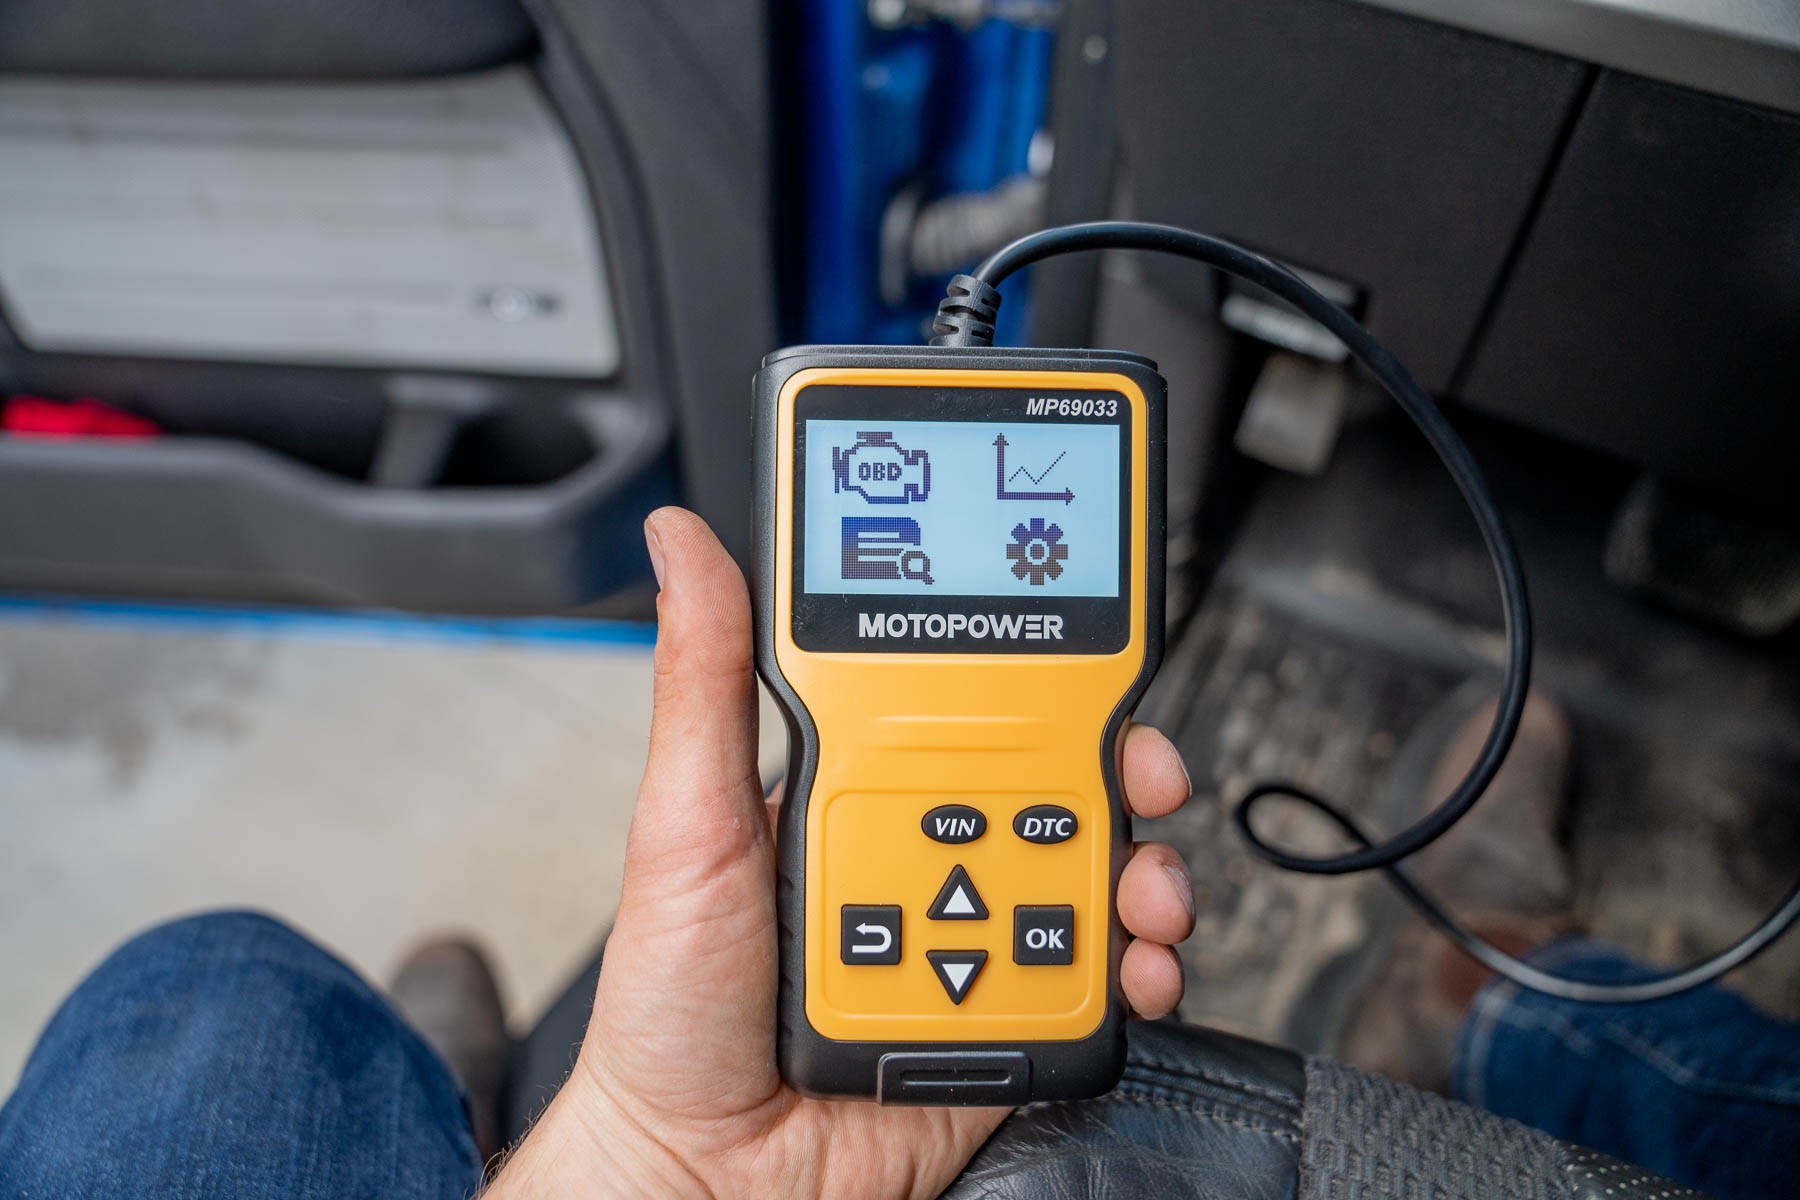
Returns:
point(520, 445)
point(428, 493)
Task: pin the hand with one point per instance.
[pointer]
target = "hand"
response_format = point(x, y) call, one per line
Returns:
point(675, 1091)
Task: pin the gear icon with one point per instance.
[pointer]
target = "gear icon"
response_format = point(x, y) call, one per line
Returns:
point(1037, 551)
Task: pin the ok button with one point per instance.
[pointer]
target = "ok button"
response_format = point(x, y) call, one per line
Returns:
point(1044, 935)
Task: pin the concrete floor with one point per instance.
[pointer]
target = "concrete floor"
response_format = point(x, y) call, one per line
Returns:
point(371, 792)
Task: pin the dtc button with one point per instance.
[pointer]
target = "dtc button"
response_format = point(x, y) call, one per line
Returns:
point(1045, 824)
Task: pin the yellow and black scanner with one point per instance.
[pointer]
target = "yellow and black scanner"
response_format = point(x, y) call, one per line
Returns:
point(959, 597)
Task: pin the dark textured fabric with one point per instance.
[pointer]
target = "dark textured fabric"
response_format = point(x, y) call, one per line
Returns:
point(1205, 1116)
point(225, 1057)
point(1701, 1088)
point(1199, 1116)
point(1369, 1138)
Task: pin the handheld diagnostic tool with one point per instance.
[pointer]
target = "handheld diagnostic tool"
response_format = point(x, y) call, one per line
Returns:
point(959, 592)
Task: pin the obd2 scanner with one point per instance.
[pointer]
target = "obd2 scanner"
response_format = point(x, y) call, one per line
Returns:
point(959, 594)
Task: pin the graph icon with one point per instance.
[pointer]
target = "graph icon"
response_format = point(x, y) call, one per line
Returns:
point(1003, 483)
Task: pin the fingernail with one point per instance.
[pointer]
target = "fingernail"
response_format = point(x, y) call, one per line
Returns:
point(653, 544)
point(1184, 887)
point(1186, 779)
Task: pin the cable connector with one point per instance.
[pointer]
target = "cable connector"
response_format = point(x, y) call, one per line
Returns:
point(965, 316)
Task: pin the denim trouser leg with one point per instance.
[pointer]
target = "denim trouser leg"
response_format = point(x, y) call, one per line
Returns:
point(226, 1056)
point(1701, 1088)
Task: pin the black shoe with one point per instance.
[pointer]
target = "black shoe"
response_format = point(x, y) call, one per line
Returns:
point(446, 990)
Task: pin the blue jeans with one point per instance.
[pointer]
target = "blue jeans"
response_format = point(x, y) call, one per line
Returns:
point(226, 1056)
point(1701, 1088)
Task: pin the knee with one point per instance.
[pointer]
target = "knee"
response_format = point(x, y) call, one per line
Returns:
point(202, 992)
point(232, 1012)
point(214, 966)
point(211, 944)
point(228, 931)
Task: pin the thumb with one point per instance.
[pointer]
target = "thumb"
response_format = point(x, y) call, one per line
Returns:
point(684, 1015)
point(700, 809)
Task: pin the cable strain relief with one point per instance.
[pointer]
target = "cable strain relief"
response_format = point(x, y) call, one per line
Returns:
point(965, 316)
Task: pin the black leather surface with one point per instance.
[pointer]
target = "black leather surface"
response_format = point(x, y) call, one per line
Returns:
point(1593, 1176)
point(1199, 1116)
point(1205, 1116)
point(238, 39)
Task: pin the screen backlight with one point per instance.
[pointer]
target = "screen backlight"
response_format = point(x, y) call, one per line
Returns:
point(961, 508)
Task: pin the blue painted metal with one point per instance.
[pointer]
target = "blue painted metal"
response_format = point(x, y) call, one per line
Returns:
point(877, 111)
point(343, 626)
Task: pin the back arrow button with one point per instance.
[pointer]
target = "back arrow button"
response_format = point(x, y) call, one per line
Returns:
point(871, 934)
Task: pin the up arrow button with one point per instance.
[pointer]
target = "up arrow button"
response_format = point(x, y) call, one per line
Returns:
point(958, 900)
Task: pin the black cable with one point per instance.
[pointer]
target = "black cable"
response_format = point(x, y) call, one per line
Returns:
point(1514, 604)
point(965, 318)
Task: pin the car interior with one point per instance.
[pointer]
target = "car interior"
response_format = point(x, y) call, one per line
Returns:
point(422, 308)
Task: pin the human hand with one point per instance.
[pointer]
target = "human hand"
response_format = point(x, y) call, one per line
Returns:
point(675, 1091)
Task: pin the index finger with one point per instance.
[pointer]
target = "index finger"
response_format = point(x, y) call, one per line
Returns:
point(1155, 778)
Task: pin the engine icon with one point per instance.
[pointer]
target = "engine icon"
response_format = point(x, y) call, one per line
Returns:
point(880, 470)
point(1037, 551)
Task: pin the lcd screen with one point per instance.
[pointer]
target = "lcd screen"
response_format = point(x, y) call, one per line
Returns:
point(962, 508)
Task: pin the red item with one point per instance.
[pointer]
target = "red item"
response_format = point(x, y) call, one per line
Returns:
point(36, 417)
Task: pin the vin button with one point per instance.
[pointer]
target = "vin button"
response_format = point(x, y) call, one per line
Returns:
point(954, 824)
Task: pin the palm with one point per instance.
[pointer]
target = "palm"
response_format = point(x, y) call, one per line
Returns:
point(876, 1151)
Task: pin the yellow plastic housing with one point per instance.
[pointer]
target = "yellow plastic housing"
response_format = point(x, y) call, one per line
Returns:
point(900, 734)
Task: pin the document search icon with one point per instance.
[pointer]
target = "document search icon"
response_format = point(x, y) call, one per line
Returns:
point(884, 548)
